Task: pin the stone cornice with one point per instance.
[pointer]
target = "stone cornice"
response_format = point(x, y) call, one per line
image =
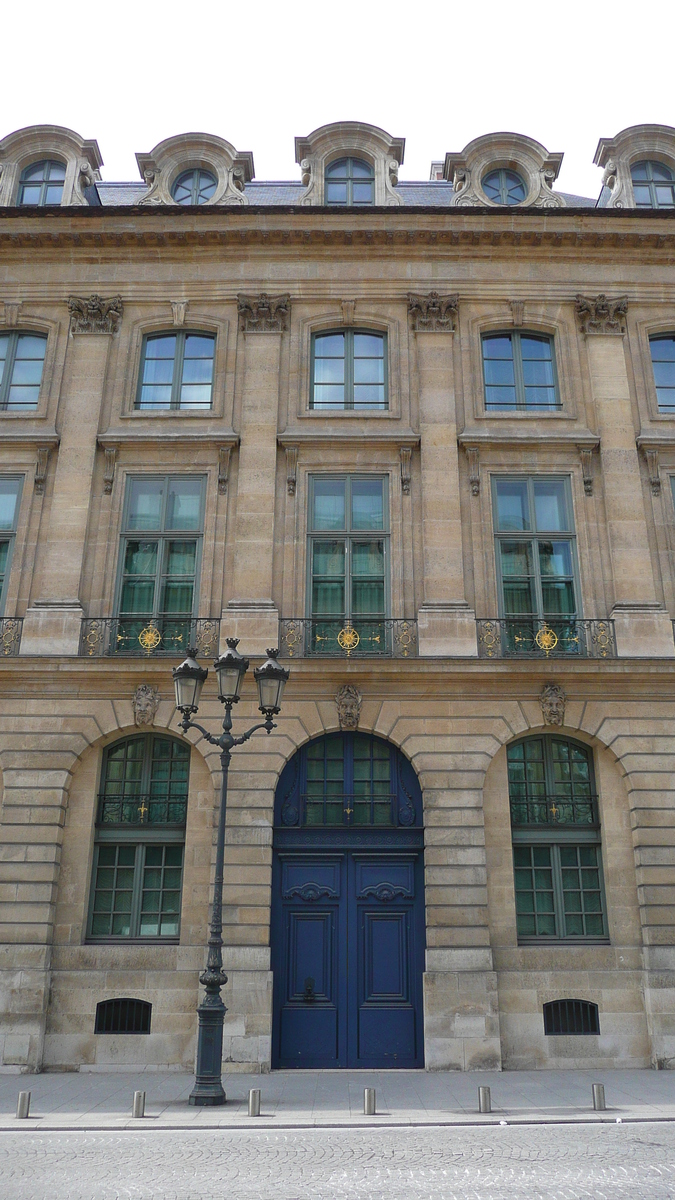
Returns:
point(544, 438)
point(335, 438)
point(158, 436)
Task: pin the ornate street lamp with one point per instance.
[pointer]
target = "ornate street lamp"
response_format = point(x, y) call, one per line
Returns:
point(188, 680)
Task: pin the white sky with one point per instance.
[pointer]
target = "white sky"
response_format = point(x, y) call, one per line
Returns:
point(132, 72)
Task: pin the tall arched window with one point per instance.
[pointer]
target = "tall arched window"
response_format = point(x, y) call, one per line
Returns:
point(42, 183)
point(556, 841)
point(350, 182)
point(194, 187)
point(653, 184)
point(140, 837)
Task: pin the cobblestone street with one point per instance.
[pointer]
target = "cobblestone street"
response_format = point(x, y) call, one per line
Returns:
point(534, 1162)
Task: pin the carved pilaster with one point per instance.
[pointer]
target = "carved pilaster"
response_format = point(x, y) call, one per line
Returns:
point(179, 311)
point(12, 311)
point(263, 313)
point(93, 314)
point(405, 453)
point(110, 453)
point(652, 460)
point(291, 469)
point(41, 469)
point(474, 469)
point(599, 314)
point(224, 453)
point(432, 313)
point(586, 456)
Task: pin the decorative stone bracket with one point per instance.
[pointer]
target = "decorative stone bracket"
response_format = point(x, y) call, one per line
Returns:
point(652, 460)
point(599, 314)
point(224, 453)
point(11, 313)
point(586, 456)
point(179, 311)
point(474, 469)
point(552, 699)
point(432, 313)
point(110, 453)
point(93, 314)
point(518, 312)
point(405, 453)
point(348, 702)
point(41, 469)
point(291, 469)
point(263, 313)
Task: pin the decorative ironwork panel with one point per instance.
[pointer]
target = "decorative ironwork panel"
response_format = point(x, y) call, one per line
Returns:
point(308, 637)
point(133, 637)
point(557, 810)
point(10, 636)
point(142, 810)
point(534, 637)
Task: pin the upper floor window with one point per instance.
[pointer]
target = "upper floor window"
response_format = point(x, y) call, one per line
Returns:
point(556, 840)
point(159, 560)
point(349, 370)
point(349, 182)
point(10, 493)
point(42, 183)
point(653, 185)
point(663, 363)
point(22, 358)
point(176, 371)
point(140, 836)
point(194, 187)
point(519, 372)
point(504, 186)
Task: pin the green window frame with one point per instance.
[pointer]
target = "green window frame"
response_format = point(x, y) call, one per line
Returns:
point(137, 875)
point(160, 556)
point(653, 184)
point(662, 350)
point(194, 187)
point(519, 372)
point(535, 547)
point(22, 356)
point(349, 370)
point(348, 554)
point(176, 371)
point(555, 831)
point(42, 183)
point(504, 186)
point(349, 183)
point(10, 499)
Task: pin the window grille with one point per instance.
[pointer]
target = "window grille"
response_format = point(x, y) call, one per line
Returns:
point(571, 1017)
point(123, 1016)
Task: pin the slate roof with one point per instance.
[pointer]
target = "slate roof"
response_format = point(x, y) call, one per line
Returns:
point(434, 193)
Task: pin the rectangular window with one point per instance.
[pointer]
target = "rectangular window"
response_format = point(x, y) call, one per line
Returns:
point(176, 371)
point(137, 891)
point(663, 364)
point(159, 558)
point(10, 492)
point(22, 358)
point(348, 573)
point(519, 372)
point(559, 891)
point(349, 370)
point(535, 549)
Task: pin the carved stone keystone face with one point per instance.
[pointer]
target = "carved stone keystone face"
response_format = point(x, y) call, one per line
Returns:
point(348, 700)
point(145, 703)
point(552, 700)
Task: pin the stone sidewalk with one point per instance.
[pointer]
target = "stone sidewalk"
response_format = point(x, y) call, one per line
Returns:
point(292, 1099)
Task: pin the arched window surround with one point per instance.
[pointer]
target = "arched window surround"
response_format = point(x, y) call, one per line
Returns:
point(650, 184)
point(359, 184)
point(363, 369)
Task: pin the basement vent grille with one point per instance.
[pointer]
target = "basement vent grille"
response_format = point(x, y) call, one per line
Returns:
point(571, 1016)
point(123, 1016)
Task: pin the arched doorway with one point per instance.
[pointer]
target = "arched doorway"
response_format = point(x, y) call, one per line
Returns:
point(348, 907)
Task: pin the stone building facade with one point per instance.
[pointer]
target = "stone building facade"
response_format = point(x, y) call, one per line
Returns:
point(420, 436)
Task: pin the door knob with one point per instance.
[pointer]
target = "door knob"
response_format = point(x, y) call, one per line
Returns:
point(309, 994)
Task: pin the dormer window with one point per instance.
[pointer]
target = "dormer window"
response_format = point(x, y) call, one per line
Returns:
point(194, 187)
point(349, 183)
point(42, 183)
point(653, 185)
point(504, 187)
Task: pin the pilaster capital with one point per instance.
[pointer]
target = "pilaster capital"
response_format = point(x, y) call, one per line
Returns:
point(432, 313)
point(263, 313)
point(93, 314)
point(599, 314)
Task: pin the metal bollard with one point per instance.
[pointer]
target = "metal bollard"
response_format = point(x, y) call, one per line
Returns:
point(138, 1106)
point(599, 1097)
point(484, 1100)
point(368, 1102)
point(23, 1106)
point(254, 1102)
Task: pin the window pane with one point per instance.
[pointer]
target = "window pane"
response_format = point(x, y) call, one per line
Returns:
point(367, 597)
point(329, 504)
point(512, 505)
point(555, 558)
point(550, 507)
point(367, 504)
point(336, 193)
point(183, 509)
point(368, 370)
point(367, 558)
point(497, 347)
point(145, 503)
point(329, 345)
point(369, 396)
point(328, 599)
point(329, 396)
point(329, 558)
point(360, 169)
point(500, 397)
point(329, 370)
point(161, 347)
point(362, 193)
point(499, 371)
point(9, 493)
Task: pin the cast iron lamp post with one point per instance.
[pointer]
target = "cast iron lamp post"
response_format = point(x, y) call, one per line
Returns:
point(188, 680)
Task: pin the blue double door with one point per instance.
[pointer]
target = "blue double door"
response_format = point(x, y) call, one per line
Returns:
point(348, 957)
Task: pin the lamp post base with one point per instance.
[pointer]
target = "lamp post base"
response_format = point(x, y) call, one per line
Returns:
point(207, 1095)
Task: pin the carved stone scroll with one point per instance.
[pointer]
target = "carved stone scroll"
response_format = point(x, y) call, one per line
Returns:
point(224, 453)
point(93, 314)
point(552, 699)
point(405, 453)
point(586, 456)
point(145, 702)
point(652, 460)
point(263, 313)
point(599, 314)
point(432, 313)
point(41, 469)
point(291, 469)
point(110, 453)
point(348, 700)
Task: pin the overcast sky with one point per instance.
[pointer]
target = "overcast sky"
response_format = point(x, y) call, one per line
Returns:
point(257, 72)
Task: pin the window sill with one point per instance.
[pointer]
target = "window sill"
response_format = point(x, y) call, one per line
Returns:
point(526, 414)
point(361, 414)
point(164, 413)
point(563, 942)
point(122, 941)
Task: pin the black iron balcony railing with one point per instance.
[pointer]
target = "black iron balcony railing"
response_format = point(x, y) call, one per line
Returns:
point(142, 810)
point(137, 637)
point(555, 637)
point(367, 637)
point(10, 636)
point(556, 810)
